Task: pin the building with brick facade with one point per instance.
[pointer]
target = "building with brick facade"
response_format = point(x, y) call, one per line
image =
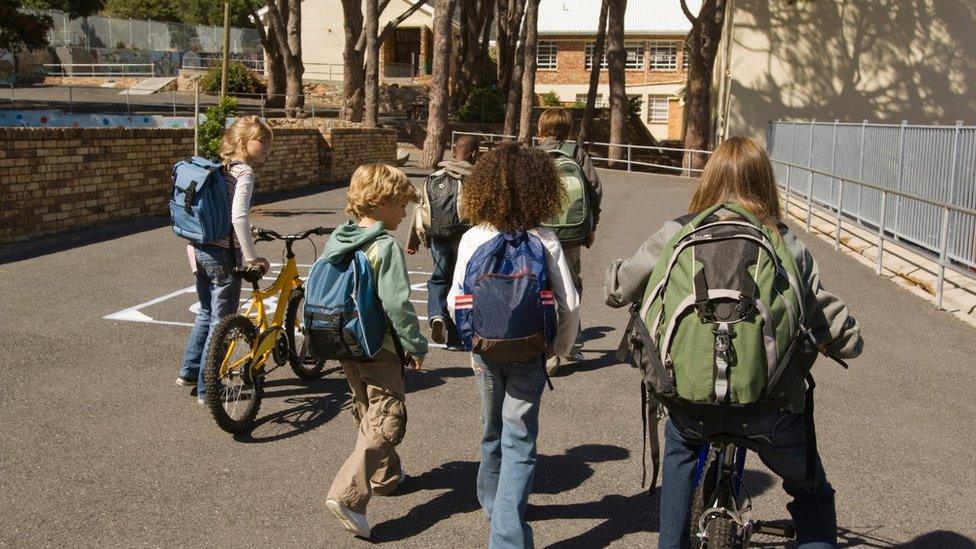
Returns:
point(656, 71)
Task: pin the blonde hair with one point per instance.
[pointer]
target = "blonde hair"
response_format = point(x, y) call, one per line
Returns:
point(739, 171)
point(244, 129)
point(376, 184)
point(555, 123)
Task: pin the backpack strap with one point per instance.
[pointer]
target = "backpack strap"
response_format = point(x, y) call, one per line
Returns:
point(225, 171)
point(651, 414)
point(811, 433)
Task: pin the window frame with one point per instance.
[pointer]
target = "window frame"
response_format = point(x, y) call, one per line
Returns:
point(640, 48)
point(554, 55)
point(672, 45)
point(649, 101)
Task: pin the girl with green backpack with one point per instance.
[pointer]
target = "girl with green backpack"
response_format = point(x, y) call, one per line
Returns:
point(737, 336)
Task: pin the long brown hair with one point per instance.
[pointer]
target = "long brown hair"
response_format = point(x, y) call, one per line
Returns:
point(512, 188)
point(739, 171)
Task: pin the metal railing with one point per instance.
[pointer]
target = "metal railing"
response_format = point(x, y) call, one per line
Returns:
point(914, 184)
point(100, 69)
point(326, 72)
point(204, 61)
point(629, 160)
point(399, 70)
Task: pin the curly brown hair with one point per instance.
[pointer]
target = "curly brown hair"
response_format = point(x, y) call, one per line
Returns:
point(512, 188)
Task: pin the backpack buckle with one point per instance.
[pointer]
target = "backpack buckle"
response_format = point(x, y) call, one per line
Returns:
point(706, 312)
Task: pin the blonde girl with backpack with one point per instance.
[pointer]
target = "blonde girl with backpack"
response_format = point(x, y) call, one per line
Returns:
point(510, 192)
point(245, 145)
point(740, 173)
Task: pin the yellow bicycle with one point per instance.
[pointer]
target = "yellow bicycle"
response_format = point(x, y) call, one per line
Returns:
point(235, 366)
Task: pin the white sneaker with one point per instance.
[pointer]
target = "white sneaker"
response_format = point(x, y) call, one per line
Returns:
point(438, 330)
point(552, 365)
point(352, 521)
point(183, 382)
point(403, 477)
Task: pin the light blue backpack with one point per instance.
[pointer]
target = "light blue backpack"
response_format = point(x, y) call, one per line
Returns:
point(344, 319)
point(199, 207)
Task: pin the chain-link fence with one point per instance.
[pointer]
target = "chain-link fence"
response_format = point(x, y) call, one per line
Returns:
point(111, 32)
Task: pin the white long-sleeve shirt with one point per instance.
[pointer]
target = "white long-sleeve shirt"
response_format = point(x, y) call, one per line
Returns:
point(240, 188)
point(560, 280)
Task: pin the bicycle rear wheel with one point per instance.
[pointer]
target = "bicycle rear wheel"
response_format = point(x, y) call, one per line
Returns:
point(703, 495)
point(304, 366)
point(234, 391)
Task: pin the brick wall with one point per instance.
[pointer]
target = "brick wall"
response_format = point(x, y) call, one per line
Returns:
point(349, 148)
point(571, 65)
point(52, 179)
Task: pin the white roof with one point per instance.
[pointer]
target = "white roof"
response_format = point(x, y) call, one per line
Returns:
point(643, 16)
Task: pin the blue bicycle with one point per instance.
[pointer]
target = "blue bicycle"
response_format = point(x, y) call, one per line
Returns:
point(720, 516)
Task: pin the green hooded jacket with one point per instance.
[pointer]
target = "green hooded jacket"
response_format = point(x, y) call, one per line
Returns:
point(392, 281)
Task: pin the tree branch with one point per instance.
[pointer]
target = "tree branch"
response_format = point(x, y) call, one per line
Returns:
point(400, 19)
point(684, 8)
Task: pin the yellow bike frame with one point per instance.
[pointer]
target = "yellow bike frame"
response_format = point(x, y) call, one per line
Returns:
point(286, 282)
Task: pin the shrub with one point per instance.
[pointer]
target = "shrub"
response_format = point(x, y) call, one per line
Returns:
point(239, 80)
point(211, 131)
point(634, 105)
point(550, 99)
point(484, 105)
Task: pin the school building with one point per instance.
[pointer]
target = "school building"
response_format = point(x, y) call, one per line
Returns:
point(656, 69)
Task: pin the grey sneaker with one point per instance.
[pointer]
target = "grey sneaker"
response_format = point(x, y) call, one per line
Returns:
point(576, 356)
point(438, 330)
point(202, 400)
point(186, 382)
point(351, 520)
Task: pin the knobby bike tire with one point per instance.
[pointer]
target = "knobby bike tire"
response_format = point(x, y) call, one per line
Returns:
point(703, 497)
point(231, 327)
point(304, 367)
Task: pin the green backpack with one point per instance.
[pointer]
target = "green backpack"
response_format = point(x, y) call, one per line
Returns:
point(574, 222)
point(722, 320)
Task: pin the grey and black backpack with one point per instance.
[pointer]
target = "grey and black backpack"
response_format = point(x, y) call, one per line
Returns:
point(444, 197)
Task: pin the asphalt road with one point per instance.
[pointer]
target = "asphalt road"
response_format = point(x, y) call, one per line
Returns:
point(98, 447)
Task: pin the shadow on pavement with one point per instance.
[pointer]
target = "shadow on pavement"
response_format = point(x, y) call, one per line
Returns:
point(557, 474)
point(595, 359)
point(421, 380)
point(311, 405)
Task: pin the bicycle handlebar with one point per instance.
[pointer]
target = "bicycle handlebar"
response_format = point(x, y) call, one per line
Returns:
point(267, 235)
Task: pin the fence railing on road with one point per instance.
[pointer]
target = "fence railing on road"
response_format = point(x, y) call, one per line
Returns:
point(100, 69)
point(912, 184)
point(628, 159)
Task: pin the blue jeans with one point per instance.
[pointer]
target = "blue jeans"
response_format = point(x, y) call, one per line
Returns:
point(444, 252)
point(784, 451)
point(219, 293)
point(510, 395)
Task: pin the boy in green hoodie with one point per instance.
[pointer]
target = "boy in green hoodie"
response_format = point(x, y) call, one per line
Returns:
point(378, 196)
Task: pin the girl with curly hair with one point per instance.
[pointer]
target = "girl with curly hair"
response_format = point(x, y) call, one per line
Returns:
point(511, 191)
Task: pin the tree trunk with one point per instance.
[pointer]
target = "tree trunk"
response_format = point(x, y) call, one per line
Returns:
point(510, 14)
point(514, 98)
point(528, 74)
point(616, 57)
point(295, 99)
point(353, 75)
point(475, 23)
point(437, 113)
point(274, 67)
point(601, 38)
point(371, 28)
point(703, 43)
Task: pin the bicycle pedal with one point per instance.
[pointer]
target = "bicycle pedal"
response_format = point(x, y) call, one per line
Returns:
point(778, 530)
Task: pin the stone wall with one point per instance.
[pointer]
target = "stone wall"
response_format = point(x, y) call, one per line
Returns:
point(53, 180)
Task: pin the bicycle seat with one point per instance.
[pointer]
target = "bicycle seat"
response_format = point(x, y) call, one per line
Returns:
point(250, 274)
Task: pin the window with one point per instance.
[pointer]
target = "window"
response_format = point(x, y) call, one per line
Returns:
point(635, 56)
point(545, 55)
point(684, 57)
point(657, 109)
point(581, 99)
point(664, 56)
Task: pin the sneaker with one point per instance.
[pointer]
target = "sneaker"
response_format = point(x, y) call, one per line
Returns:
point(403, 477)
point(455, 347)
point(186, 382)
point(351, 520)
point(438, 330)
point(553, 365)
point(202, 400)
point(576, 356)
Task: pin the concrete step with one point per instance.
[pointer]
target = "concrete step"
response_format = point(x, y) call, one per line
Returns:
point(150, 85)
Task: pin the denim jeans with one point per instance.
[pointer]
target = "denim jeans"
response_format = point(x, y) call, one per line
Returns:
point(784, 451)
point(444, 252)
point(219, 293)
point(510, 395)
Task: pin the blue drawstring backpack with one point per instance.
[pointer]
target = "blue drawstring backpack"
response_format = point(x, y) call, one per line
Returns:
point(344, 319)
point(199, 207)
point(507, 312)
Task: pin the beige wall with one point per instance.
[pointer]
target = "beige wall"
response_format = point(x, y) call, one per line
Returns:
point(881, 60)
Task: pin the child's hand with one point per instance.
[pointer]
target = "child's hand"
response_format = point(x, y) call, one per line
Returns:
point(262, 263)
point(590, 238)
point(411, 250)
point(416, 362)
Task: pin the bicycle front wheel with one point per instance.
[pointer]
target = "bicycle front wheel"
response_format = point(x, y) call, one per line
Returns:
point(234, 390)
point(304, 366)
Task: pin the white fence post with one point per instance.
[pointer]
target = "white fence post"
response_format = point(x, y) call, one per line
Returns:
point(860, 170)
point(813, 128)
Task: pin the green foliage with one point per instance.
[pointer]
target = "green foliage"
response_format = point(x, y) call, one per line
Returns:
point(74, 8)
point(157, 10)
point(239, 80)
point(191, 12)
point(485, 105)
point(634, 105)
point(211, 132)
point(550, 99)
